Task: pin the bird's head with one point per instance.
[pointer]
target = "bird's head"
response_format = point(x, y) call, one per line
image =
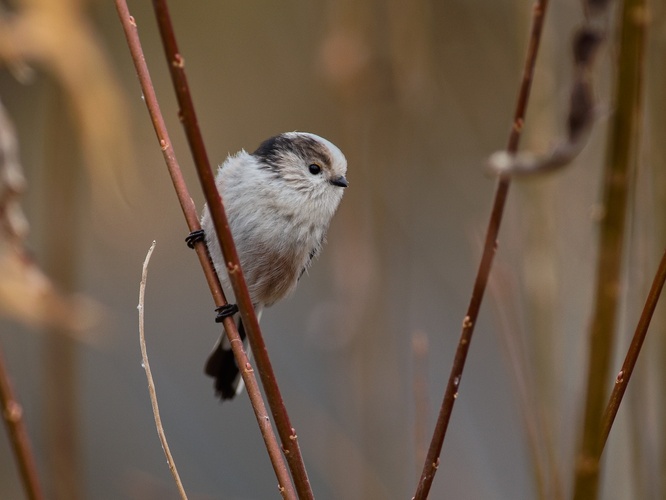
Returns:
point(306, 163)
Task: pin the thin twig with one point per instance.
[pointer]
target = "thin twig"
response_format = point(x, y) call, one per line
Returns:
point(274, 451)
point(188, 117)
point(12, 414)
point(618, 178)
point(489, 249)
point(622, 380)
point(149, 376)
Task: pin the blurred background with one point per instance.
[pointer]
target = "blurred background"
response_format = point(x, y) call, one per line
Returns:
point(417, 95)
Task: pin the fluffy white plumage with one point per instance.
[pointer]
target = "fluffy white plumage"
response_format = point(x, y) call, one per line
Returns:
point(279, 202)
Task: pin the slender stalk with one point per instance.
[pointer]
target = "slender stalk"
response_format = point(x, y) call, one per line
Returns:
point(190, 213)
point(149, 376)
point(617, 178)
point(12, 414)
point(489, 249)
point(622, 380)
point(188, 117)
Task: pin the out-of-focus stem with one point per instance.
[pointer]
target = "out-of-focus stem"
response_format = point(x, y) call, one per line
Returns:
point(621, 154)
point(12, 414)
point(61, 255)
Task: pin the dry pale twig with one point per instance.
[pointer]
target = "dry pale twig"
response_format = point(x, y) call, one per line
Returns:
point(286, 487)
point(489, 249)
point(149, 376)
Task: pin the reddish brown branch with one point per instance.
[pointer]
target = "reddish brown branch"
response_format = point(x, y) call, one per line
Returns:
point(190, 213)
point(12, 415)
point(489, 249)
point(188, 117)
point(622, 380)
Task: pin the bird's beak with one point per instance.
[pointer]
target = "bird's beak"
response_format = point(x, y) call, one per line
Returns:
point(339, 181)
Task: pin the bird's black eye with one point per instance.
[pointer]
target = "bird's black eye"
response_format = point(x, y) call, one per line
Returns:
point(314, 169)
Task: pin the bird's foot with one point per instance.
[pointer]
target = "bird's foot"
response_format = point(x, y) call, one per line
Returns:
point(225, 311)
point(194, 237)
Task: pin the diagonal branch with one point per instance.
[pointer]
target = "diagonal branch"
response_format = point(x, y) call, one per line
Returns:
point(192, 219)
point(622, 380)
point(489, 249)
point(12, 414)
point(188, 116)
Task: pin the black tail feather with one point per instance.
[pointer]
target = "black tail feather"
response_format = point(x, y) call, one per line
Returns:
point(221, 365)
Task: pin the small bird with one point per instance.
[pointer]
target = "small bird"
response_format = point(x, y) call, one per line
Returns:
point(279, 202)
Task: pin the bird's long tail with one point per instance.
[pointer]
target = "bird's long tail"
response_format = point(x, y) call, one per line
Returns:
point(221, 364)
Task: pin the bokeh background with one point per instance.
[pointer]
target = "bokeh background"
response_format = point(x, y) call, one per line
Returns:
point(417, 94)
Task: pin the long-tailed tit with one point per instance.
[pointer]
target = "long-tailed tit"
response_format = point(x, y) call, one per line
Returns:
point(279, 201)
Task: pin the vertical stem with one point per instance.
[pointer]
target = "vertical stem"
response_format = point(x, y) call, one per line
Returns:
point(621, 153)
point(60, 211)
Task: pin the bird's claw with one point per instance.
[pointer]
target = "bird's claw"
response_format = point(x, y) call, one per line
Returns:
point(225, 311)
point(194, 237)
